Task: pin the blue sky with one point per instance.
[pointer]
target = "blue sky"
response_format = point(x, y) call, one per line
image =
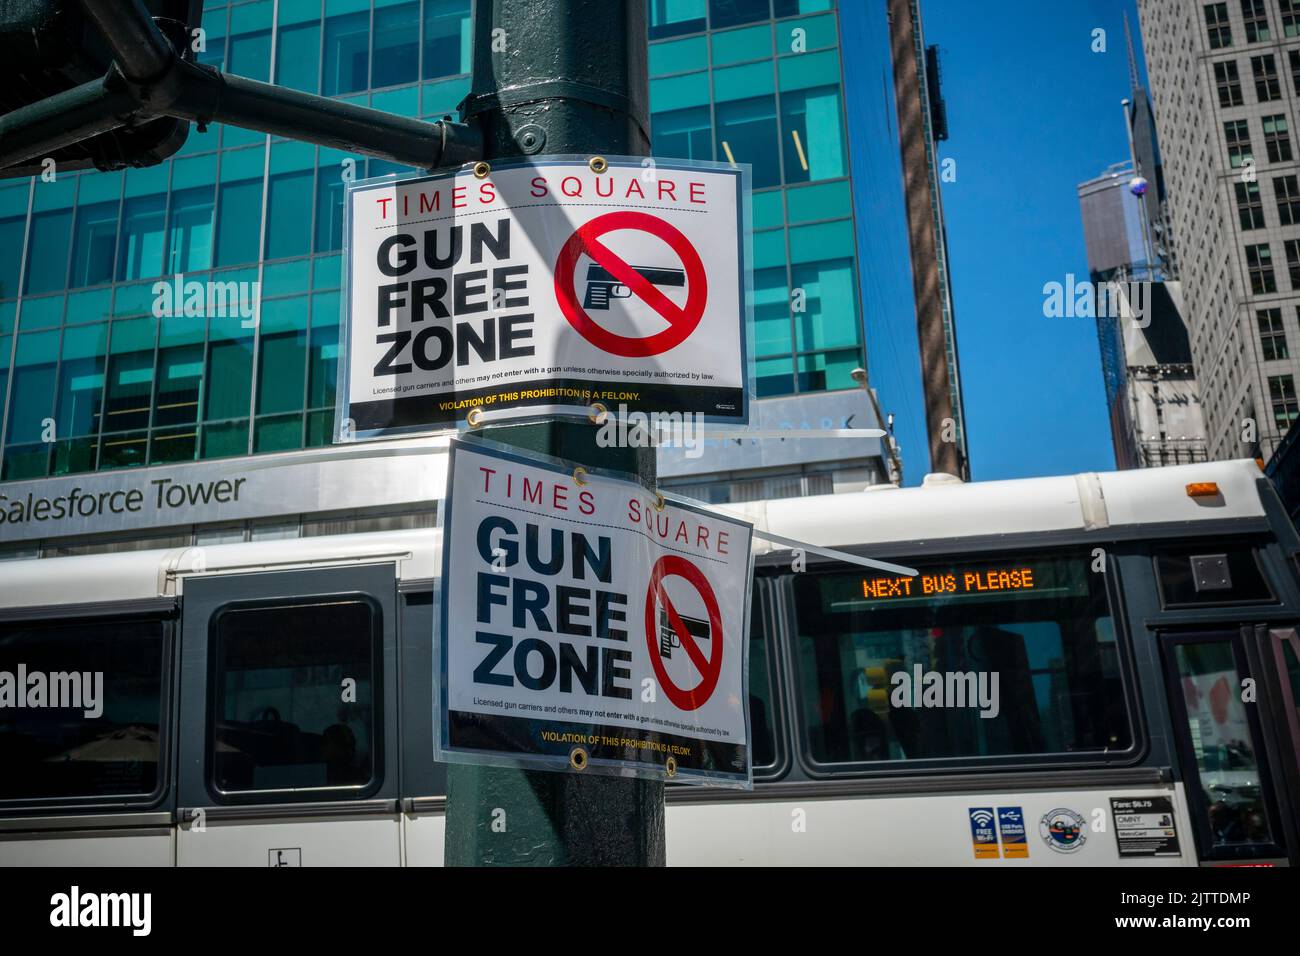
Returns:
point(1032, 112)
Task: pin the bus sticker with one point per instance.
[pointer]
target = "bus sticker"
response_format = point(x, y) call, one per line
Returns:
point(1011, 824)
point(1144, 826)
point(984, 836)
point(1063, 830)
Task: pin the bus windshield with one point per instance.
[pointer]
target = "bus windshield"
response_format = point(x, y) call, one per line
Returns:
point(971, 659)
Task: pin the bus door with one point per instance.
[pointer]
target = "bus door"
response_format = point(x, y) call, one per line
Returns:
point(1233, 696)
point(288, 750)
point(424, 782)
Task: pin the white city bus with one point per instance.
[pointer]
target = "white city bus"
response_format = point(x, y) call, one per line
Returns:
point(1142, 626)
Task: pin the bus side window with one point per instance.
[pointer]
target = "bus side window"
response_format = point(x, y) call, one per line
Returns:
point(91, 717)
point(294, 697)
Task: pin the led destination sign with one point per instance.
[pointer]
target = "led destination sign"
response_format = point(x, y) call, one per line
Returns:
point(957, 582)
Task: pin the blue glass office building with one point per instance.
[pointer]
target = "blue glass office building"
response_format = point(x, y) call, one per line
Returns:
point(92, 380)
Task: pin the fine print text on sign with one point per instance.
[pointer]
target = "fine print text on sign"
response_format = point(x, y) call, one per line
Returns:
point(581, 617)
point(546, 283)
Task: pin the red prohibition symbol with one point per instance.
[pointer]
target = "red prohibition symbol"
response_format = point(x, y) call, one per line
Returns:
point(710, 668)
point(682, 321)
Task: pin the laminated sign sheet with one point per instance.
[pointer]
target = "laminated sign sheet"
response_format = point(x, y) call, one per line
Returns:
point(585, 624)
point(546, 283)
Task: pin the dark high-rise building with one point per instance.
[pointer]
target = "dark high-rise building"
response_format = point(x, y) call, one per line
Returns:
point(922, 121)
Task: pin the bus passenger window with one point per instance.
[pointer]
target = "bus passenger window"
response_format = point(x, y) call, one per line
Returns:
point(294, 697)
point(983, 658)
point(1221, 742)
point(80, 709)
point(762, 709)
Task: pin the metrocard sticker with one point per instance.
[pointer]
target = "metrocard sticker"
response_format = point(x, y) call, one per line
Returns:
point(545, 282)
point(582, 626)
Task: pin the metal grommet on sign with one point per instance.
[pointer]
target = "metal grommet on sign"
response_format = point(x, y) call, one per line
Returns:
point(580, 475)
point(598, 164)
point(671, 767)
point(578, 758)
point(596, 413)
point(660, 501)
point(474, 417)
point(481, 169)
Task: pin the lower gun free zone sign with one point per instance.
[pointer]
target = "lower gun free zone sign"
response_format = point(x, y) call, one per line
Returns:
point(555, 282)
point(588, 625)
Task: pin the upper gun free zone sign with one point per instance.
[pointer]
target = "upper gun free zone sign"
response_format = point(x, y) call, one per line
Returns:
point(546, 283)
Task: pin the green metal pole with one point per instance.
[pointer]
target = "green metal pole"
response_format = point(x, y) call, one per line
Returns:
point(558, 76)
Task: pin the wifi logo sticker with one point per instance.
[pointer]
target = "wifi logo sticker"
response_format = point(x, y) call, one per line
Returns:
point(984, 833)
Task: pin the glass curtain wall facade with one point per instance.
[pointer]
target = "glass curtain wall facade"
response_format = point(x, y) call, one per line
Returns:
point(93, 377)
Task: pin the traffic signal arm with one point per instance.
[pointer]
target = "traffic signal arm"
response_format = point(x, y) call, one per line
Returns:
point(149, 80)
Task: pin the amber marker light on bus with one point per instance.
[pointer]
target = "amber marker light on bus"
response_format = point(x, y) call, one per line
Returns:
point(1202, 489)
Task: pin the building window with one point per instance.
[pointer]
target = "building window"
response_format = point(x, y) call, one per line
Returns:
point(1250, 205)
point(1281, 393)
point(1272, 338)
point(47, 252)
point(79, 397)
point(140, 252)
point(732, 13)
point(297, 61)
point(1255, 16)
point(1290, 17)
point(1277, 139)
point(446, 38)
point(813, 134)
point(94, 243)
point(1228, 81)
point(670, 18)
point(347, 53)
point(239, 220)
point(1293, 261)
point(1287, 191)
point(190, 235)
point(1216, 25)
point(396, 45)
point(746, 133)
point(1237, 135)
point(683, 134)
point(288, 210)
point(1259, 263)
point(1267, 86)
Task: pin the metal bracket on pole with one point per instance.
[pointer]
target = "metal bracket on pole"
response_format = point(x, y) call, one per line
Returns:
point(150, 80)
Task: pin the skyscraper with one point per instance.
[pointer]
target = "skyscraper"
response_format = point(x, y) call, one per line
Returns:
point(92, 379)
point(1152, 394)
point(1224, 80)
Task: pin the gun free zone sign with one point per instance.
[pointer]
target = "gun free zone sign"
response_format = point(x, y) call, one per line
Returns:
point(546, 283)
